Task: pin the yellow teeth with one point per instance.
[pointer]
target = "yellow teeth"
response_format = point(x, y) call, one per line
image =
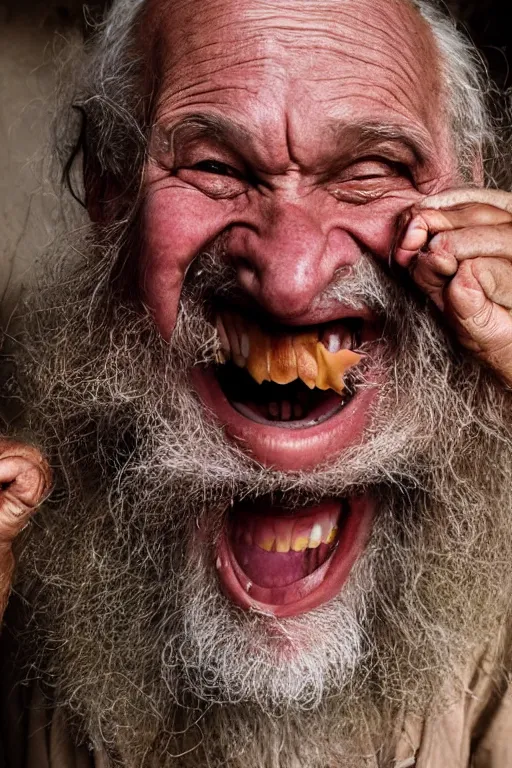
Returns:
point(258, 360)
point(282, 362)
point(332, 367)
point(283, 358)
point(287, 534)
point(304, 345)
point(300, 544)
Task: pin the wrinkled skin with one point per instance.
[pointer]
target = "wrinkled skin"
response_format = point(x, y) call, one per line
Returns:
point(24, 481)
point(295, 210)
point(298, 208)
point(308, 165)
point(458, 247)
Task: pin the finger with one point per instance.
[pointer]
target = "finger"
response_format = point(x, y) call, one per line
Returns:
point(483, 326)
point(430, 282)
point(473, 242)
point(432, 267)
point(431, 271)
point(6, 571)
point(495, 278)
point(24, 481)
point(494, 197)
point(411, 236)
point(428, 222)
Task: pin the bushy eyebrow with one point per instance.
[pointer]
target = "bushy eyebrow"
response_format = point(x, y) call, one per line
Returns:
point(346, 138)
point(211, 126)
point(362, 137)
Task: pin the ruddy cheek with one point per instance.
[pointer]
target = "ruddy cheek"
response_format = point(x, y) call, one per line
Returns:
point(177, 226)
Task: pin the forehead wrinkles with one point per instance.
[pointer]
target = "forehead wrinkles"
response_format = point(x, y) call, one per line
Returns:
point(378, 52)
point(386, 33)
point(345, 40)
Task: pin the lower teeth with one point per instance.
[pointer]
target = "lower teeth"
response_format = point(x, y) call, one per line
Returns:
point(265, 402)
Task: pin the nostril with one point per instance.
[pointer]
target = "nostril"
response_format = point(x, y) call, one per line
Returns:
point(247, 274)
point(246, 265)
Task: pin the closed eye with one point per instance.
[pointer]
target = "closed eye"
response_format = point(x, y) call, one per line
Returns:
point(374, 169)
point(216, 167)
point(370, 179)
point(214, 178)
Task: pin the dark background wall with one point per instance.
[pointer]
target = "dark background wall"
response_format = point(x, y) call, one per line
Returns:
point(489, 26)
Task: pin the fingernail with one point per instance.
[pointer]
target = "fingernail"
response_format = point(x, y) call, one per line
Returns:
point(415, 236)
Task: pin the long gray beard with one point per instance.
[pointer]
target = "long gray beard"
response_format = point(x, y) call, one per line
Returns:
point(125, 618)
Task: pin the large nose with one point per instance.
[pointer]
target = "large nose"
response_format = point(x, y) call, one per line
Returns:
point(288, 260)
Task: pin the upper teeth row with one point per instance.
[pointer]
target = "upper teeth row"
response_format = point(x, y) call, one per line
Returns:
point(284, 357)
point(285, 535)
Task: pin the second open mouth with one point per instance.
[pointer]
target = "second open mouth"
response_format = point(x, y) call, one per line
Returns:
point(284, 561)
point(292, 378)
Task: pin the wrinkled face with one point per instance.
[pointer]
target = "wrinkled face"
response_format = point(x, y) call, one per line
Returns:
point(291, 138)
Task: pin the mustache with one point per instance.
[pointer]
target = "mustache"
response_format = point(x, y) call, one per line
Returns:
point(195, 342)
point(130, 378)
point(368, 283)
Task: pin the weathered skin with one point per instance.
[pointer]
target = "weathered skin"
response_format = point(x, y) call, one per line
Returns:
point(307, 196)
point(304, 198)
point(24, 481)
point(465, 267)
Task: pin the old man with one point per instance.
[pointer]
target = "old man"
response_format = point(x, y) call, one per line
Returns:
point(272, 377)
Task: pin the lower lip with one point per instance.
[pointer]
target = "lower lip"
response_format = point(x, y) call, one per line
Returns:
point(316, 589)
point(288, 449)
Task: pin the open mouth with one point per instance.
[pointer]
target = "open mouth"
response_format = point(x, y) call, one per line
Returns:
point(291, 396)
point(292, 378)
point(285, 562)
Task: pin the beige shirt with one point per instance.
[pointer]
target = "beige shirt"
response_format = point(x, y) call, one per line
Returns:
point(476, 731)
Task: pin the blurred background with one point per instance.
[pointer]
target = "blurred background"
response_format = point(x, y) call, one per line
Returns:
point(32, 34)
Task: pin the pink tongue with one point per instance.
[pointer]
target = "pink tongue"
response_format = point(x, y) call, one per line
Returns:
point(278, 569)
point(259, 521)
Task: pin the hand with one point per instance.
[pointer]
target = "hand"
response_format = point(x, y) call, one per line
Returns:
point(457, 246)
point(25, 479)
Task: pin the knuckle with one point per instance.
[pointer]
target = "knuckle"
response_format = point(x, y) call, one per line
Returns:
point(26, 481)
point(465, 274)
point(483, 272)
point(485, 321)
point(14, 516)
